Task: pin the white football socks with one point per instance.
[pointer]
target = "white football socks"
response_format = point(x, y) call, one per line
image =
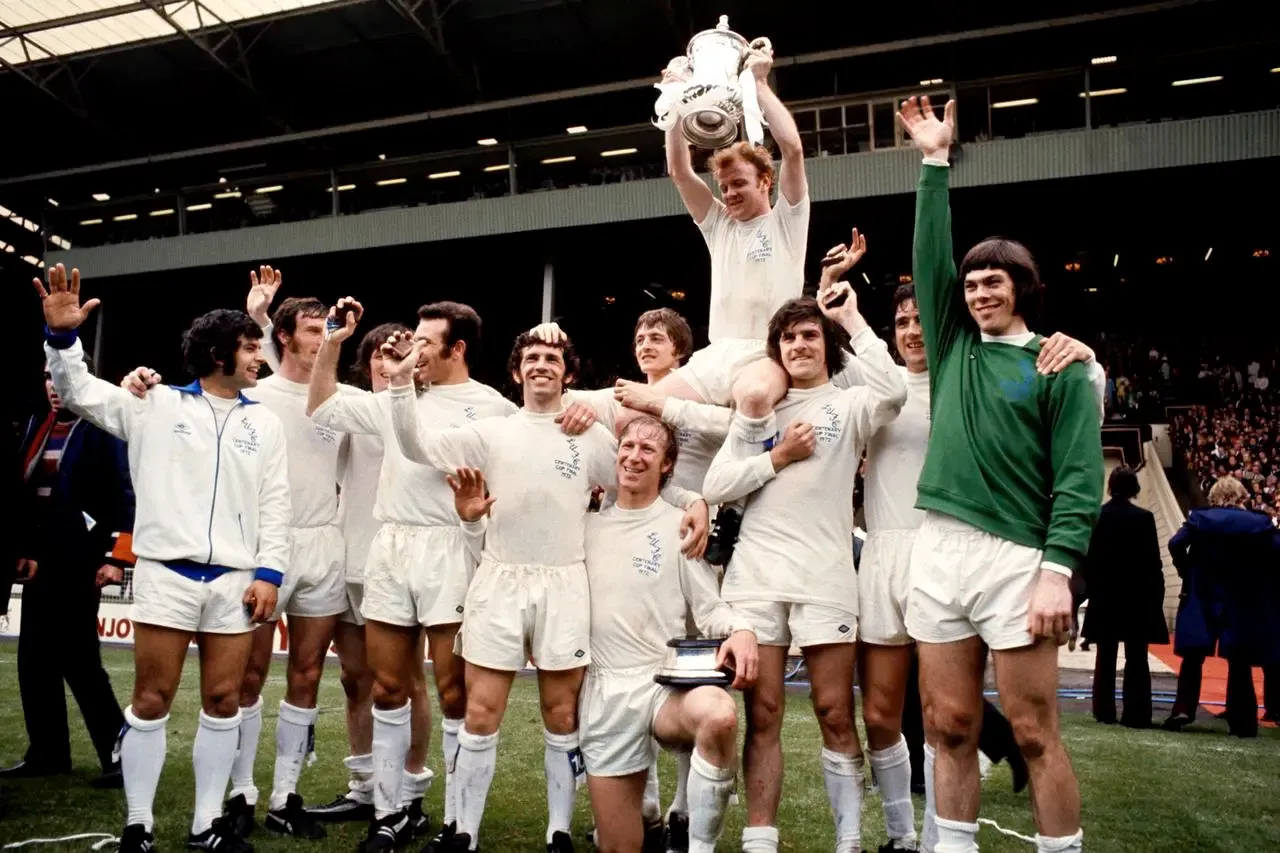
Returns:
point(477, 758)
point(141, 746)
point(956, 836)
point(845, 787)
point(247, 753)
point(709, 789)
point(294, 729)
point(680, 802)
point(760, 839)
point(892, 768)
point(929, 827)
point(1066, 844)
point(212, 755)
point(390, 746)
point(563, 763)
point(651, 807)
point(359, 777)
point(449, 746)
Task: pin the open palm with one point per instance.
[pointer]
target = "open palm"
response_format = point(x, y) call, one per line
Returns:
point(61, 301)
point(921, 124)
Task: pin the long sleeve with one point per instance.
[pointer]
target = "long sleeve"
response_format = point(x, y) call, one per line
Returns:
point(934, 266)
point(882, 395)
point(702, 418)
point(473, 536)
point(445, 450)
point(121, 552)
point(601, 402)
point(1098, 378)
point(713, 616)
point(357, 414)
point(1179, 546)
point(732, 478)
point(269, 347)
point(1075, 451)
point(274, 512)
point(106, 406)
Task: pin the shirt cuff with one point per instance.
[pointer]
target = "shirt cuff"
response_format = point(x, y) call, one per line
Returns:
point(938, 161)
point(401, 390)
point(1057, 569)
point(271, 576)
point(478, 526)
point(60, 340)
point(862, 339)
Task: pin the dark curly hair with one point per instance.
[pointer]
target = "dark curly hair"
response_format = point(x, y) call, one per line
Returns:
point(369, 344)
point(525, 340)
point(213, 339)
point(464, 325)
point(834, 338)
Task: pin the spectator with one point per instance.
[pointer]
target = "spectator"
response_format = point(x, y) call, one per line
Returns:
point(77, 486)
point(1227, 555)
point(1124, 584)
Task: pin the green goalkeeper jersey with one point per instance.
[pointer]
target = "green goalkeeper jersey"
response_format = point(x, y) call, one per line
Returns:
point(1011, 452)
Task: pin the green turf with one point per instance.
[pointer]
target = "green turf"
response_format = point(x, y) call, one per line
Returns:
point(1143, 790)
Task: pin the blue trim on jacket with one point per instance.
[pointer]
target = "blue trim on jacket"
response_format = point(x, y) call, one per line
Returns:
point(206, 572)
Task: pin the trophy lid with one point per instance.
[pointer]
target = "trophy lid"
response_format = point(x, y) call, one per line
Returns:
point(721, 29)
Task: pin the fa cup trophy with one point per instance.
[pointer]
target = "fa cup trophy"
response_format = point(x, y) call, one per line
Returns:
point(692, 663)
point(710, 92)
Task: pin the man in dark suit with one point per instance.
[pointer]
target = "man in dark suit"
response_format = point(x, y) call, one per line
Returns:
point(79, 499)
point(1124, 584)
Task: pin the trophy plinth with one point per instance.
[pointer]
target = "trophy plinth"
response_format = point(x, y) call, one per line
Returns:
point(692, 663)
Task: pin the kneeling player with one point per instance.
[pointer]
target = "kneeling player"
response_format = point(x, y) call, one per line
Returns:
point(641, 588)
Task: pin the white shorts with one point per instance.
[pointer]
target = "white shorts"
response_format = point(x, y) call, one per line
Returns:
point(884, 582)
point(165, 598)
point(315, 584)
point(969, 583)
point(711, 371)
point(616, 713)
point(518, 613)
point(786, 623)
point(416, 575)
point(355, 596)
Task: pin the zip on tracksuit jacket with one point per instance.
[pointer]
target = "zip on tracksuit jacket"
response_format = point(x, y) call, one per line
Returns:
point(212, 496)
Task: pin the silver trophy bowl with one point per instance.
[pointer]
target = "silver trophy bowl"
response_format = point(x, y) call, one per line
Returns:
point(692, 663)
point(711, 110)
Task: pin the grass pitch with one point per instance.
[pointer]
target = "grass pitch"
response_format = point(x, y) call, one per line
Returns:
point(1144, 791)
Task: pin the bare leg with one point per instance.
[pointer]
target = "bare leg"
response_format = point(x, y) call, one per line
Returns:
point(831, 674)
point(951, 691)
point(616, 803)
point(562, 759)
point(223, 658)
point(419, 707)
point(357, 684)
point(762, 748)
point(705, 721)
point(759, 387)
point(1027, 679)
point(487, 693)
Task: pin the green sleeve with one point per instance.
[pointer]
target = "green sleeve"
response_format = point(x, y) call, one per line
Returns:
point(1075, 452)
point(934, 265)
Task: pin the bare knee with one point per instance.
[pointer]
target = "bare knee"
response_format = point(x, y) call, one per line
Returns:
point(835, 715)
point(1032, 733)
point(304, 682)
point(222, 699)
point(150, 702)
point(560, 716)
point(953, 725)
point(390, 690)
point(883, 725)
point(719, 724)
point(452, 693)
point(356, 680)
point(251, 685)
point(482, 715)
point(764, 716)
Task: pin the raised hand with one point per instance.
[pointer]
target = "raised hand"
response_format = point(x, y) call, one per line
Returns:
point(933, 137)
point(345, 315)
point(760, 59)
point(469, 497)
point(263, 285)
point(61, 301)
point(139, 381)
point(839, 302)
point(400, 355)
